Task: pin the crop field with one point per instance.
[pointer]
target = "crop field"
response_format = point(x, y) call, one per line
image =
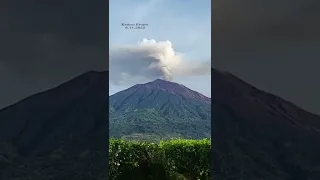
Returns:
point(176, 159)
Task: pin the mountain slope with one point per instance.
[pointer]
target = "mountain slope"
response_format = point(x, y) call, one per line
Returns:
point(70, 112)
point(75, 113)
point(58, 134)
point(256, 135)
point(262, 135)
point(160, 109)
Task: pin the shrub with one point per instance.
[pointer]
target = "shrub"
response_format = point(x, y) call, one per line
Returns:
point(171, 159)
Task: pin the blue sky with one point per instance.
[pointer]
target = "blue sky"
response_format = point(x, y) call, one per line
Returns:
point(185, 23)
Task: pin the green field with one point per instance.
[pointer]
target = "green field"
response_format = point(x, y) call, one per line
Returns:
point(176, 159)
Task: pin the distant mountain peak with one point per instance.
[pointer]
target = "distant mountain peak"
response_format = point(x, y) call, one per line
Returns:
point(169, 86)
point(173, 88)
point(161, 82)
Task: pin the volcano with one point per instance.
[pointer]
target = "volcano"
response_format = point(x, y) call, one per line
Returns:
point(255, 135)
point(160, 109)
point(74, 110)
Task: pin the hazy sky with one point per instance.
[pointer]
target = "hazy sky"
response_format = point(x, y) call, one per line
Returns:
point(274, 45)
point(186, 24)
point(45, 43)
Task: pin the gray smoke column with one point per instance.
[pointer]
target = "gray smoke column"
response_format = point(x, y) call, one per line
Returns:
point(148, 60)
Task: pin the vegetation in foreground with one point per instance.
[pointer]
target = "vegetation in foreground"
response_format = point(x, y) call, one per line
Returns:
point(176, 159)
point(164, 160)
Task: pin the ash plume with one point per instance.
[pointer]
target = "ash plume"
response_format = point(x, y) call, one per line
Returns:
point(151, 59)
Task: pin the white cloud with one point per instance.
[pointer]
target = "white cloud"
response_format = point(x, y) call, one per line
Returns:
point(149, 60)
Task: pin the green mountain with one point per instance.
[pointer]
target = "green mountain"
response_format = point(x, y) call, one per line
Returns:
point(159, 109)
point(260, 136)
